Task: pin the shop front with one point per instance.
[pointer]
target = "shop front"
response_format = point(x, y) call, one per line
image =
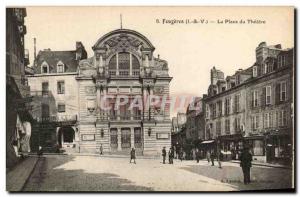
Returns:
point(231, 145)
point(279, 148)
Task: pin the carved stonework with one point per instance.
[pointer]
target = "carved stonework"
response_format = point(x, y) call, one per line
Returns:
point(158, 90)
point(90, 90)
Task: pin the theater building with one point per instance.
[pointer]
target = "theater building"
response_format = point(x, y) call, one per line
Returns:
point(123, 64)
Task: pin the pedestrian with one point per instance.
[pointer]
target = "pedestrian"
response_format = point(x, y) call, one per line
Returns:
point(212, 158)
point(171, 155)
point(181, 154)
point(208, 156)
point(164, 154)
point(40, 151)
point(219, 157)
point(101, 149)
point(197, 155)
point(132, 155)
point(246, 159)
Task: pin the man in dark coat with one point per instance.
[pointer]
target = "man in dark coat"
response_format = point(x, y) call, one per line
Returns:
point(246, 159)
point(164, 154)
point(132, 155)
point(212, 158)
point(171, 155)
point(101, 149)
point(197, 155)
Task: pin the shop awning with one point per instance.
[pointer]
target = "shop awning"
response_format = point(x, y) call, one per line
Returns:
point(207, 142)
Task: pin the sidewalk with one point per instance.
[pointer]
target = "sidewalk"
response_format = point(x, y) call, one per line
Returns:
point(17, 177)
point(265, 164)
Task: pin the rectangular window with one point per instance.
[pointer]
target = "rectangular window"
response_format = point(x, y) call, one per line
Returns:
point(255, 122)
point(60, 68)
point(214, 106)
point(218, 128)
point(282, 118)
point(237, 124)
point(227, 105)
point(267, 120)
point(227, 126)
point(45, 88)
point(254, 71)
point(60, 87)
point(255, 98)
point(207, 111)
point(61, 108)
point(283, 91)
point(237, 103)
point(268, 95)
point(220, 108)
point(279, 61)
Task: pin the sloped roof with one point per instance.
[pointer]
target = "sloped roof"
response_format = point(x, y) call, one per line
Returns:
point(68, 58)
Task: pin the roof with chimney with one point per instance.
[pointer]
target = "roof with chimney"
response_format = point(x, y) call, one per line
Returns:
point(52, 58)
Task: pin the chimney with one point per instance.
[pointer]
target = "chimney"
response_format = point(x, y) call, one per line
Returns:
point(34, 45)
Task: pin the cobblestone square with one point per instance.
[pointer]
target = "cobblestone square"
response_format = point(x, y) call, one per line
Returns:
point(94, 173)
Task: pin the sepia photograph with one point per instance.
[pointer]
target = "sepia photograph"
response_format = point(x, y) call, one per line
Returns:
point(150, 99)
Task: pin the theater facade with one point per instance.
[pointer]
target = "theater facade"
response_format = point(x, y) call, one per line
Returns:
point(123, 69)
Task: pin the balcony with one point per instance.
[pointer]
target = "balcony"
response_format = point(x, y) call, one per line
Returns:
point(71, 119)
point(124, 117)
point(124, 73)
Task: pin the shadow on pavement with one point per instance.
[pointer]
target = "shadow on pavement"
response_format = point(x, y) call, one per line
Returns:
point(48, 179)
point(262, 178)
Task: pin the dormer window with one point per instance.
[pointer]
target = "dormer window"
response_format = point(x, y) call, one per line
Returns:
point(60, 67)
point(45, 67)
point(254, 71)
point(237, 79)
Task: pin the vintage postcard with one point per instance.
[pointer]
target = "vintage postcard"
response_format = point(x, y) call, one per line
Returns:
point(153, 99)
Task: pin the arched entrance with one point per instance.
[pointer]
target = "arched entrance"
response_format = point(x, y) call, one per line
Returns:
point(66, 137)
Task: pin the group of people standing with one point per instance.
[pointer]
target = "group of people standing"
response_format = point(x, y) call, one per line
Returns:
point(171, 155)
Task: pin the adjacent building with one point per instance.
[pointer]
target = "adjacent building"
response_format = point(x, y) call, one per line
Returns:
point(18, 118)
point(55, 102)
point(254, 106)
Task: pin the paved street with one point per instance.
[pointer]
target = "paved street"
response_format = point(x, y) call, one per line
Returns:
point(91, 173)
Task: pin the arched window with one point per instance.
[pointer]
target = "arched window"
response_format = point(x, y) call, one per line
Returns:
point(45, 67)
point(112, 66)
point(120, 63)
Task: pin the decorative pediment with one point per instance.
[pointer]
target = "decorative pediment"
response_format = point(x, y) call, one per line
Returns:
point(124, 40)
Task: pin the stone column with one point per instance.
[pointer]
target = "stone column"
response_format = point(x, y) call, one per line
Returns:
point(130, 64)
point(132, 137)
point(104, 103)
point(117, 64)
point(145, 107)
point(119, 139)
point(151, 108)
point(101, 61)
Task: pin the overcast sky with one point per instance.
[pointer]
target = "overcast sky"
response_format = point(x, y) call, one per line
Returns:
point(190, 49)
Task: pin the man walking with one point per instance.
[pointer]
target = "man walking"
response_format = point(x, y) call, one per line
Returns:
point(101, 149)
point(197, 155)
point(132, 155)
point(246, 159)
point(208, 156)
point(181, 154)
point(212, 158)
point(171, 155)
point(164, 154)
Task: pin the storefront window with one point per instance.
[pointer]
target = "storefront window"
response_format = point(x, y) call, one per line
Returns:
point(257, 147)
